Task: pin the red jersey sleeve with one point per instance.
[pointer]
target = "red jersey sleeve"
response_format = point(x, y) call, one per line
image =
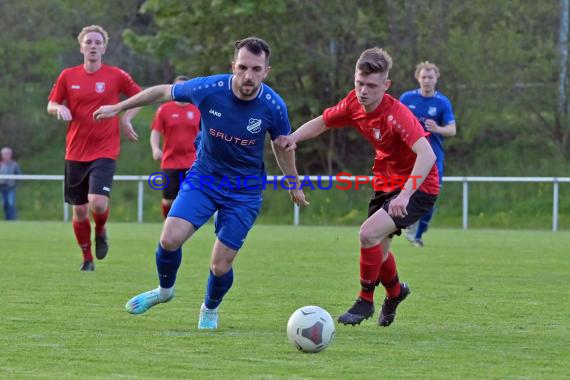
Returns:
point(158, 122)
point(338, 116)
point(405, 124)
point(58, 92)
point(128, 85)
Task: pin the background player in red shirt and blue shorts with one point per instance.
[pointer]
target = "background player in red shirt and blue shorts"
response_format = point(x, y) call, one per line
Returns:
point(403, 155)
point(179, 124)
point(92, 147)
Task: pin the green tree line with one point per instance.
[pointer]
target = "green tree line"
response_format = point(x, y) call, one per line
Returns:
point(499, 62)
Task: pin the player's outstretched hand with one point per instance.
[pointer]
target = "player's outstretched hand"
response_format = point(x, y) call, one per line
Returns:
point(105, 112)
point(298, 197)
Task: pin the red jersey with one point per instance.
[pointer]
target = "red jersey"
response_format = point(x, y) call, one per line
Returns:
point(84, 93)
point(392, 130)
point(179, 125)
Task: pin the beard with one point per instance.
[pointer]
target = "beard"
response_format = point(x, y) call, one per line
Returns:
point(248, 91)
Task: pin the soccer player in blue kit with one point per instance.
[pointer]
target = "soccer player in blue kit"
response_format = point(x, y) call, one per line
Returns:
point(435, 113)
point(228, 175)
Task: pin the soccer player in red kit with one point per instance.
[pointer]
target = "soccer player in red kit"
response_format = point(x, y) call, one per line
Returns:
point(402, 154)
point(91, 146)
point(179, 124)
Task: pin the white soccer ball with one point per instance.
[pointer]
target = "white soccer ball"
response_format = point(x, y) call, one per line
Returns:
point(310, 329)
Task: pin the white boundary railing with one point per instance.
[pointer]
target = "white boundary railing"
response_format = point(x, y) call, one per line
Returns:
point(296, 212)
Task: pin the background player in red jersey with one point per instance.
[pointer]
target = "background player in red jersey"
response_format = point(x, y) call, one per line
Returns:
point(401, 151)
point(91, 147)
point(179, 124)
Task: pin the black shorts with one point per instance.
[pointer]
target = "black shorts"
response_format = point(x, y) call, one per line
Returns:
point(174, 176)
point(92, 177)
point(420, 203)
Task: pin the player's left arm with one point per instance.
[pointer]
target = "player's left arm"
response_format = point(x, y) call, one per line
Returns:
point(425, 159)
point(448, 129)
point(286, 162)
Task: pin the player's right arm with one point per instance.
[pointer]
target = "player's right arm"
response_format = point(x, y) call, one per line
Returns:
point(160, 93)
point(59, 110)
point(307, 131)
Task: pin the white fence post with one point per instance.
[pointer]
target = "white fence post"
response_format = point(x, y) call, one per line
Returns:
point(296, 214)
point(555, 205)
point(465, 203)
point(140, 201)
point(65, 206)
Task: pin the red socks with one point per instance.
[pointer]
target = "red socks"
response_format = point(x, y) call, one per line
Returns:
point(100, 220)
point(165, 210)
point(389, 277)
point(83, 235)
point(370, 264)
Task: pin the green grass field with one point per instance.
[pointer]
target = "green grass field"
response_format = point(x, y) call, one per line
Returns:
point(484, 305)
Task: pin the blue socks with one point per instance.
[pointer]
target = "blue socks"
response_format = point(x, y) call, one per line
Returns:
point(424, 223)
point(217, 287)
point(167, 264)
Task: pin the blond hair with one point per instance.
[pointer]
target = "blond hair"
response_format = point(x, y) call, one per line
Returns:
point(93, 28)
point(374, 60)
point(426, 65)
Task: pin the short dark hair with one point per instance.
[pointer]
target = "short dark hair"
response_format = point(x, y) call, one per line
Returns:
point(180, 78)
point(254, 45)
point(374, 60)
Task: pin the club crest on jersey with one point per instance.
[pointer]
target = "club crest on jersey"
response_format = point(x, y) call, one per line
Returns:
point(432, 111)
point(99, 87)
point(254, 125)
point(190, 115)
point(376, 133)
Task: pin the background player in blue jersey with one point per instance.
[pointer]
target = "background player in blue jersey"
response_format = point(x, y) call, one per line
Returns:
point(228, 174)
point(435, 113)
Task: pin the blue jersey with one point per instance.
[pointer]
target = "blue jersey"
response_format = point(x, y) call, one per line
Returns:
point(232, 136)
point(436, 107)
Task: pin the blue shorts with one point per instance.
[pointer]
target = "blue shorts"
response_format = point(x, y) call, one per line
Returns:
point(236, 212)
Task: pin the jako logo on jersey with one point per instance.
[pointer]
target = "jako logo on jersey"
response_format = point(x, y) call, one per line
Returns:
point(99, 87)
point(215, 113)
point(432, 111)
point(254, 125)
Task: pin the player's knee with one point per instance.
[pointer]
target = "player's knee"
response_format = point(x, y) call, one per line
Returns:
point(99, 206)
point(80, 213)
point(170, 242)
point(221, 268)
point(368, 236)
